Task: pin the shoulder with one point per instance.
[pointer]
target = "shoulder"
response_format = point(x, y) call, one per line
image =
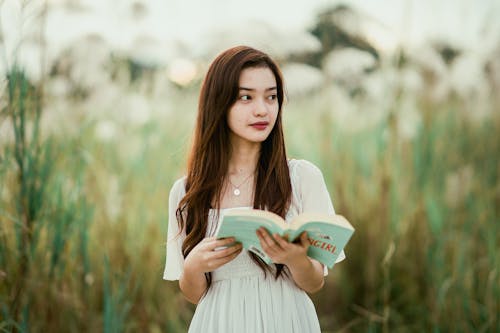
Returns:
point(303, 169)
point(310, 193)
point(178, 189)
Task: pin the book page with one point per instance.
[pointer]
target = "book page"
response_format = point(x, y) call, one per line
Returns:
point(304, 218)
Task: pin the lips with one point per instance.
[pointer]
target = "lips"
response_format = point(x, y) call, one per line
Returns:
point(261, 125)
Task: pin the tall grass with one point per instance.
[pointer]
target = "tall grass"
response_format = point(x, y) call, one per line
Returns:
point(83, 222)
point(425, 254)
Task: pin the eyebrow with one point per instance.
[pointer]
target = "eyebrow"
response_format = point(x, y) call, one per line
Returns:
point(252, 89)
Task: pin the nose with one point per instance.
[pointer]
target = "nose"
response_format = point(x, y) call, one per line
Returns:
point(261, 108)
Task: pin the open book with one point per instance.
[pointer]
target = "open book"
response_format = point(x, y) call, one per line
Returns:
point(328, 234)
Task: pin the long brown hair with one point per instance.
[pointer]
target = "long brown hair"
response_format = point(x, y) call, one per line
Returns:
point(209, 157)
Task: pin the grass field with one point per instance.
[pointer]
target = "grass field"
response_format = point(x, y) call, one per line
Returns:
point(83, 217)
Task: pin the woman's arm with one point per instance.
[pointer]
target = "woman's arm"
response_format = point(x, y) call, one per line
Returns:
point(307, 274)
point(193, 284)
point(202, 259)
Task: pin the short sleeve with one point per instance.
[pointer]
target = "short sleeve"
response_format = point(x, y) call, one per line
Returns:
point(312, 193)
point(174, 259)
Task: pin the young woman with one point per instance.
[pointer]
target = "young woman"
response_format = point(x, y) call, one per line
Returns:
point(238, 159)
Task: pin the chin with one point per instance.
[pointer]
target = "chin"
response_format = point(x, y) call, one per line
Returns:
point(256, 138)
point(260, 138)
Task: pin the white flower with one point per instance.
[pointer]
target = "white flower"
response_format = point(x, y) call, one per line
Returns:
point(136, 109)
point(301, 78)
point(411, 80)
point(105, 130)
point(427, 58)
point(182, 71)
point(360, 25)
point(467, 75)
point(348, 64)
point(149, 51)
point(434, 71)
point(58, 87)
point(277, 41)
point(408, 119)
point(353, 115)
point(380, 85)
point(468, 80)
point(88, 57)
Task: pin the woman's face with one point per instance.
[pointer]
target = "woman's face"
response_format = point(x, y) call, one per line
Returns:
point(253, 115)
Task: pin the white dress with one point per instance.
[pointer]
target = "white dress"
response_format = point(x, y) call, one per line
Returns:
point(241, 298)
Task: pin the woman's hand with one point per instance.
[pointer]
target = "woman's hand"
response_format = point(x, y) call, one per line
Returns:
point(210, 254)
point(207, 255)
point(306, 272)
point(280, 250)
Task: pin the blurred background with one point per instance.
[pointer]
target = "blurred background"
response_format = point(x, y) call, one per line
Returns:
point(397, 101)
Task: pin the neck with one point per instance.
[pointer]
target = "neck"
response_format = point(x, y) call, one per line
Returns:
point(243, 159)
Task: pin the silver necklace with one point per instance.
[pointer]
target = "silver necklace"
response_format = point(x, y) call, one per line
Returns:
point(237, 191)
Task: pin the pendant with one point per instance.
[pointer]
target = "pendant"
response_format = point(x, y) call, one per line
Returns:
point(236, 192)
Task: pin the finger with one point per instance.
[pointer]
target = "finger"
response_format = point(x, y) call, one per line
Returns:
point(304, 240)
point(264, 243)
point(237, 247)
point(283, 243)
point(269, 245)
point(223, 242)
point(265, 238)
point(216, 263)
point(207, 241)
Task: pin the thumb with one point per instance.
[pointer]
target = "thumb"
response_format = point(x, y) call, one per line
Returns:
point(304, 240)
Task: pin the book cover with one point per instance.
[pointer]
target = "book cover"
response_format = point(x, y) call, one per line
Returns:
point(327, 234)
